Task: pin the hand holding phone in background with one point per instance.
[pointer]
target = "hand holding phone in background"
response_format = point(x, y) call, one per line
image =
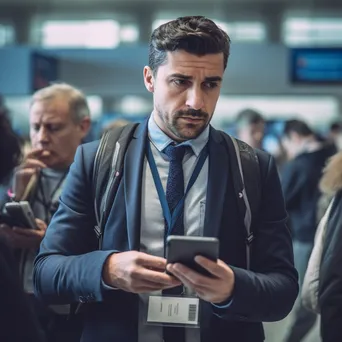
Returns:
point(19, 237)
point(22, 229)
point(21, 214)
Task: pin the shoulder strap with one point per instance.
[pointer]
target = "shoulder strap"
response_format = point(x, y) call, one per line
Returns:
point(107, 171)
point(246, 178)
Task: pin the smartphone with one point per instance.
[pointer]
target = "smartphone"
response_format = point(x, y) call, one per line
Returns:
point(184, 249)
point(21, 214)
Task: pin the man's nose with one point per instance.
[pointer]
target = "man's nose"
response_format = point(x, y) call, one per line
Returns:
point(43, 136)
point(195, 99)
point(258, 136)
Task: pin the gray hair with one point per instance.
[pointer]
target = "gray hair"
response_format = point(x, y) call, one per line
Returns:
point(79, 108)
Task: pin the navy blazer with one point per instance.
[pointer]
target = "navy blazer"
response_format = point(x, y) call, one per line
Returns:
point(69, 268)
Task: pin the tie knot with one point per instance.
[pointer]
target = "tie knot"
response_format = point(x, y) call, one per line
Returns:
point(175, 153)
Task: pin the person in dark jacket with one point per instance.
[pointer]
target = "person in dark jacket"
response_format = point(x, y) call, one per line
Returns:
point(17, 322)
point(251, 127)
point(300, 178)
point(187, 60)
point(330, 284)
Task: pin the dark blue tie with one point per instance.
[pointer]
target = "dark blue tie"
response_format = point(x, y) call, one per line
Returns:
point(175, 183)
point(174, 193)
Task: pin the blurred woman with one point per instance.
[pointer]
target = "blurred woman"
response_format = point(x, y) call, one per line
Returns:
point(330, 280)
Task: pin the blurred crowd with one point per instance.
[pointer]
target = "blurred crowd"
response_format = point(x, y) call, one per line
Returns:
point(310, 167)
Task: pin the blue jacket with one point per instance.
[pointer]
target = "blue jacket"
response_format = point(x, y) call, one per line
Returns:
point(69, 268)
point(300, 179)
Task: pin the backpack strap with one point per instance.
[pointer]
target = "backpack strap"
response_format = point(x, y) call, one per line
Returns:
point(246, 178)
point(107, 172)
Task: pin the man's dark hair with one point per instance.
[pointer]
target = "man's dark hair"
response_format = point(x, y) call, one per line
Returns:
point(10, 147)
point(196, 35)
point(248, 117)
point(297, 126)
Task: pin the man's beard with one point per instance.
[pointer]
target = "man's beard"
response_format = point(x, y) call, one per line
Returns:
point(180, 129)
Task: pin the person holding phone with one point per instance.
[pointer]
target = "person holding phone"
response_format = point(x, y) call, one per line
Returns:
point(59, 120)
point(18, 323)
point(176, 180)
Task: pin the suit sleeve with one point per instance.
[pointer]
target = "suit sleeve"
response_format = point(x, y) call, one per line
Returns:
point(268, 291)
point(68, 267)
point(330, 291)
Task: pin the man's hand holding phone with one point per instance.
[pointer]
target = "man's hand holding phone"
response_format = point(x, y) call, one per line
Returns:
point(194, 261)
point(215, 289)
point(32, 164)
point(137, 272)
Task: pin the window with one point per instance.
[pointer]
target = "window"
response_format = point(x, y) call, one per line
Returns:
point(135, 105)
point(244, 31)
point(82, 33)
point(129, 33)
point(316, 110)
point(312, 31)
point(253, 31)
point(6, 34)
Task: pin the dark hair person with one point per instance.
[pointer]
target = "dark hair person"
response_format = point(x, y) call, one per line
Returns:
point(196, 35)
point(10, 149)
point(17, 321)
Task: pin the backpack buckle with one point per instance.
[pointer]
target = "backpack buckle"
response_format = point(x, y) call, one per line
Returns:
point(97, 231)
point(250, 238)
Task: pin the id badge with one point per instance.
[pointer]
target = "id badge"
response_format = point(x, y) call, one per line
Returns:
point(180, 311)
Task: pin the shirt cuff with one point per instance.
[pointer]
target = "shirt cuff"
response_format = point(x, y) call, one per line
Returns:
point(224, 305)
point(107, 287)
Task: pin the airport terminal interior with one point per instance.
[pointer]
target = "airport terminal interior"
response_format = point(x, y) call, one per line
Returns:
point(285, 64)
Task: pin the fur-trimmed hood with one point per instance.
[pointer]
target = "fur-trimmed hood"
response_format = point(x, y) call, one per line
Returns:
point(331, 181)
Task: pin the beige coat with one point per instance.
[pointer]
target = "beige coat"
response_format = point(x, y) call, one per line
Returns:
point(331, 182)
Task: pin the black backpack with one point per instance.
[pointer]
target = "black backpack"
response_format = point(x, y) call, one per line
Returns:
point(108, 169)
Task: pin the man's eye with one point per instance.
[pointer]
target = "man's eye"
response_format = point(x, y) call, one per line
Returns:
point(35, 128)
point(179, 82)
point(210, 85)
point(53, 128)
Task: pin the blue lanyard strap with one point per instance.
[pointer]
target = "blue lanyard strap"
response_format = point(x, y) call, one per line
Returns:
point(172, 218)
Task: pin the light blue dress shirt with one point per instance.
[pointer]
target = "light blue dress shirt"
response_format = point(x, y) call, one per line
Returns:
point(152, 219)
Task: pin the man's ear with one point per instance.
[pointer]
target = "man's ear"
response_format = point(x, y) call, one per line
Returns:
point(85, 126)
point(149, 79)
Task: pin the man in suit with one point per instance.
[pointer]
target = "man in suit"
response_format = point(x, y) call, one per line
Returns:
point(250, 127)
point(59, 119)
point(187, 59)
point(18, 323)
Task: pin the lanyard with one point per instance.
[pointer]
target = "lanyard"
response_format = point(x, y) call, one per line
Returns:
point(172, 218)
point(47, 203)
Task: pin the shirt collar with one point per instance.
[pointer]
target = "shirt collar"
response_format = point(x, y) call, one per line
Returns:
point(160, 140)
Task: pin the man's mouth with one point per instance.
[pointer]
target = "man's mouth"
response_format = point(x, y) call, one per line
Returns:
point(191, 118)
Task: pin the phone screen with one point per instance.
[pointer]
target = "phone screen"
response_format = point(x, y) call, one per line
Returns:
point(184, 249)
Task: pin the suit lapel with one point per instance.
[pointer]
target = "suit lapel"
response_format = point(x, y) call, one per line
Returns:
point(217, 183)
point(133, 168)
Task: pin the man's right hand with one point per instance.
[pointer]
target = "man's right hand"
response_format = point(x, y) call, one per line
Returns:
point(31, 165)
point(137, 272)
